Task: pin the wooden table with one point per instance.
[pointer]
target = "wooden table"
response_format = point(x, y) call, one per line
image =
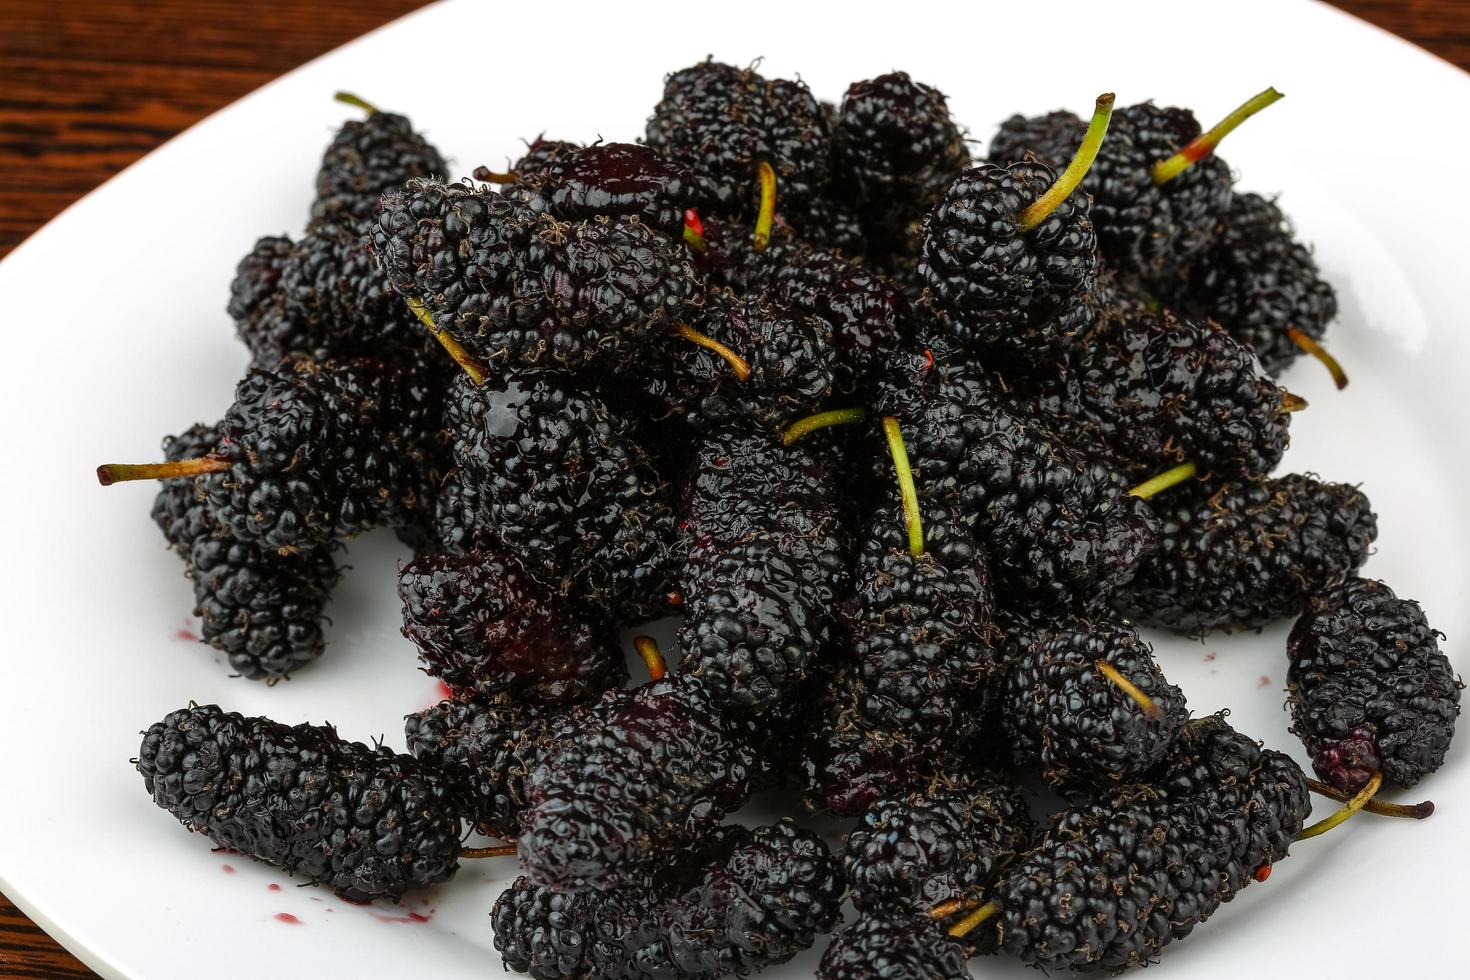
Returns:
point(87, 87)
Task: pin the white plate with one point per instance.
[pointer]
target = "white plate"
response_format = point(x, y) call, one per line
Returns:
point(115, 333)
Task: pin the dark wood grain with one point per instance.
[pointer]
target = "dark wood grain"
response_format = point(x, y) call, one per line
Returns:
point(89, 86)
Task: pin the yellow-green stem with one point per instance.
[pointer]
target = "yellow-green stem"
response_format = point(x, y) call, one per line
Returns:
point(906, 490)
point(1164, 480)
point(1351, 807)
point(462, 357)
point(1382, 808)
point(821, 420)
point(1204, 144)
point(739, 365)
point(110, 473)
point(1309, 344)
point(767, 213)
point(357, 101)
point(966, 925)
point(1113, 674)
point(1035, 212)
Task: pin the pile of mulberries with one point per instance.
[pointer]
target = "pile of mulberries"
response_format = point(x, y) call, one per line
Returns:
point(915, 451)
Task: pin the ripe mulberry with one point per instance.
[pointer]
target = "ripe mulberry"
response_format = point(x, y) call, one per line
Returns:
point(632, 778)
point(521, 289)
point(739, 901)
point(368, 157)
point(1059, 526)
point(721, 122)
point(482, 623)
point(562, 482)
point(1257, 281)
point(485, 748)
point(1152, 391)
point(1370, 690)
point(1064, 715)
point(365, 822)
point(1241, 555)
point(949, 842)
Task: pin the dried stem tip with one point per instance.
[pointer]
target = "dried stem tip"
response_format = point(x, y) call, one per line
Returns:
point(1351, 807)
point(1164, 480)
point(906, 490)
point(1310, 345)
point(738, 364)
point(947, 908)
point(1150, 708)
point(653, 659)
point(969, 922)
point(767, 213)
point(462, 357)
point(1204, 144)
point(821, 420)
point(110, 473)
point(1035, 212)
point(499, 851)
point(1291, 403)
point(1408, 811)
point(494, 176)
point(357, 101)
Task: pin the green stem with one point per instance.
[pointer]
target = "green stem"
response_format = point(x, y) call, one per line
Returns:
point(462, 357)
point(356, 100)
point(110, 473)
point(1164, 480)
point(906, 490)
point(1309, 344)
point(821, 420)
point(1204, 144)
point(767, 214)
point(1035, 212)
point(1351, 807)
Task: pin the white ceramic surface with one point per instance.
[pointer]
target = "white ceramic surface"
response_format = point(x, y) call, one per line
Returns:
point(115, 333)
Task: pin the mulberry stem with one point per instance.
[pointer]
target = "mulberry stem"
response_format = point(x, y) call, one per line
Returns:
point(489, 176)
point(356, 100)
point(694, 231)
point(945, 909)
point(767, 213)
point(653, 659)
point(1409, 811)
point(1129, 688)
point(1164, 480)
point(499, 851)
point(1352, 806)
point(821, 420)
point(738, 364)
point(462, 357)
point(1035, 212)
point(1310, 345)
point(906, 491)
point(1291, 403)
point(110, 473)
point(969, 922)
point(1204, 144)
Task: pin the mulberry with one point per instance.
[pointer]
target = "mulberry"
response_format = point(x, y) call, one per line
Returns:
point(365, 822)
point(1370, 690)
